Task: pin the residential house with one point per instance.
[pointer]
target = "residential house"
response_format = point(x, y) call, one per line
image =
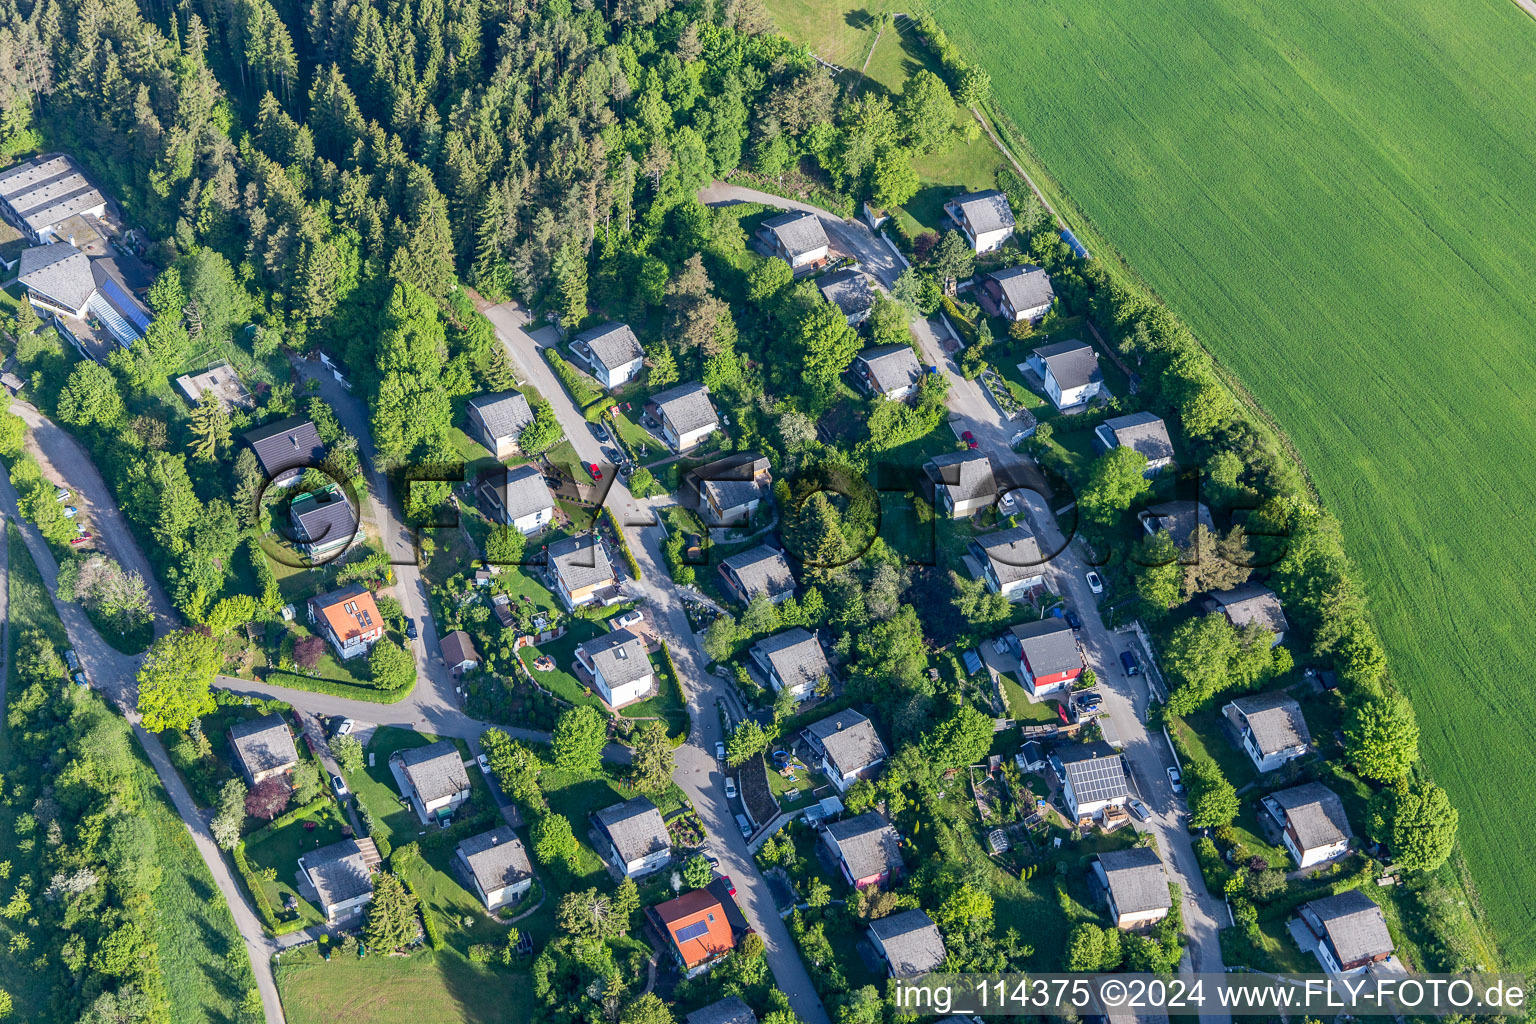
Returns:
point(1270, 727)
point(519, 498)
point(612, 351)
point(39, 195)
point(349, 619)
point(963, 482)
point(285, 449)
point(220, 383)
point(620, 667)
point(1049, 657)
point(1179, 518)
point(985, 218)
point(324, 522)
point(638, 841)
point(1019, 293)
point(459, 652)
point(264, 747)
point(71, 288)
point(866, 847)
point(581, 571)
point(1144, 432)
point(797, 238)
point(433, 779)
point(686, 415)
point(758, 570)
point(730, 1010)
point(496, 863)
point(342, 876)
point(1249, 603)
point(701, 926)
point(889, 370)
point(1312, 822)
point(1350, 930)
point(850, 292)
point(908, 942)
point(728, 491)
point(1136, 885)
point(1030, 758)
point(848, 746)
point(792, 660)
point(1069, 370)
point(1092, 777)
point(1010, 561)
point(497, 420)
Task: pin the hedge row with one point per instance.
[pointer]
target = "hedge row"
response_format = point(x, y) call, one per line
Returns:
point(254, 886)
point(623, 542)
point(351, 691)
point(682, 698)
point(581, 392)
point(428, 920)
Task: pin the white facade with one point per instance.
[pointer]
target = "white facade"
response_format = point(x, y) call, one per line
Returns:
point(533, 522)
point(1314, 855)
point(626, 693)
point(682, 442)
point(619, 375)
point(653, 861)
point(986, 241)
point(1072, 396)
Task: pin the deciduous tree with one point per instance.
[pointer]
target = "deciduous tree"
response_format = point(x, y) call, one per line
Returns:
point(176, 679)
point(579, 737)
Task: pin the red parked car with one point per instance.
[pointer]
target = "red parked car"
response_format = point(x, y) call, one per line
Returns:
point(969, 439)
point(597, 474)
point(84, 538)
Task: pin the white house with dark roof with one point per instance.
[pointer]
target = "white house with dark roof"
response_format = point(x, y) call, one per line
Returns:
point(758, 570)
point(342, 877)
point(1144, 432)
point(459, 654)
point(264, 747)
point(909, 943)
point(497, 420)
point(1050, 659)
point(324, 522)
point(1135, 884)
point(792, 660)
point(850, 292)
point(620, 667)
point(685, 413)
point(71, 288)
point(612, 351)
point(432, 778)
point(1249, 603)
point(1179, 518)
point(963, 482)
point(1009, 561)
point(1350, 931)
point(1092, 778)
point(519, 498)
point(797, 238)
point(286, 448)
point(581, 572)
point(848, 746)
point(730, 1010)
point(866, 847)
point(728, 490)
point(497, 865)
point(1270, 727)
point(891, 371)
point(985, 218)
point(39, 194)
point(1312, 822)
point(1019, 293)
point(1069, 371)
point(638, 841)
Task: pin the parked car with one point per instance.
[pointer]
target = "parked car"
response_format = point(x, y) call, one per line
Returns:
point(72, 660)
point(1131, 664)
point(411, 631)
point(1091, 699)
point(744, 825)
point(1175, 779)
point(1073, 619)
point(1139, 809)
point(70, 511)
point(339, 786)
point(597, 474)
point(730, 788)
point(629, 618)
point(77, 541)
point(719, 751)
point(1095, 581)
point(969, 439)
point(61, 495)
point(729, 885)
point(343, 727)
point(484, 763)
point(81, 680)
point(599, 431)
point(613, 455)
point(1000, 645)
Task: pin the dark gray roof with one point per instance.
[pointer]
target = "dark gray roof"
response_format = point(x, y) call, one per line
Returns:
point(505, 413)
point(522, 491)
point(47, 189)
point(730, 1010)
point(762, 570)
point(1136, 879)
point(635, 828)
point(286, 444)
point(1014, 553)
point(729, 494)
point(986, 211)
point(799, 231)
point(1275, 720)
point(911, 940)
point(892, 366)
point(1355, 925)
point(581, 561)
point(619, 655)
point(496, 858)
point(1315, 813)
point(323, 516)
point(796, 656)
point(868, 844)
point(1251, 602)
point(1095, 771)
point(687, 407)
point(1144, 432)
point(1073, 363)
point(967, 474)
point(435, 770)
point(264, 743)
point(59, 271)
point(848, 290)
point(849, 739)
point(1179, 518)
point(1025, 287)
point(1049, 646)
point(459, 648)
point(339, 872)
point(613, 344)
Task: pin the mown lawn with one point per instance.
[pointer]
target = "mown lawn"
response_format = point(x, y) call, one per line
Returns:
point(440, 987)
point(280, 850)
point(1332, 195)
point(561, 680)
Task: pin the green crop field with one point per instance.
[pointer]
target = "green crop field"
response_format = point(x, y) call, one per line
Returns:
point(1338, 198)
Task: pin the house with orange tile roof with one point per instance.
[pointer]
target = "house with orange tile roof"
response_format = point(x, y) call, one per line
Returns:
point(701, 926)
point(349, 619)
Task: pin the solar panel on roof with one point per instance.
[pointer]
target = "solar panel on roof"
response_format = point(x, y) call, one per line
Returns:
point(1100, 779)
point(125, 305)
point(692, 931)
